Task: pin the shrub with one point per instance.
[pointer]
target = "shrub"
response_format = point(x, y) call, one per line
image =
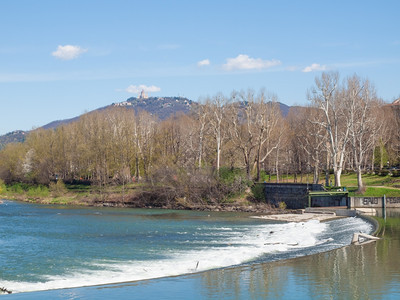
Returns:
point(384, 172)
point(263, 175)
point(2, 186)
point(19, 188)
point(58, 189)
point(258, 192)
point(396, 173)
point(228, 175)
point(38, 191)
point(282, 205)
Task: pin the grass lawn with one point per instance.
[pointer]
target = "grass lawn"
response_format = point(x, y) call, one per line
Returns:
point(370, 180)
point(377, 186)
point(372, 191)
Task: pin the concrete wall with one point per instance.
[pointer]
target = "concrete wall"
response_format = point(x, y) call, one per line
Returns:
point(374, 202)
point(334, 200)
point(295, 195)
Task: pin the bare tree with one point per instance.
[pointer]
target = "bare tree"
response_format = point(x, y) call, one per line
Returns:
point(309, 136)
point(216, 112)
point(359, 99)
point(329, 99)
point(201, 117)
point(243, 130)
point(147, 127)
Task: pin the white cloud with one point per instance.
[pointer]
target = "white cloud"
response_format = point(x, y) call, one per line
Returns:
point(244, 62)
point(204, 62)
point(135, 89)
point(68, 52)
point(314, 67)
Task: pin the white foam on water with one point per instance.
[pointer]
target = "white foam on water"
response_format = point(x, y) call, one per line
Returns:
point(239, 248)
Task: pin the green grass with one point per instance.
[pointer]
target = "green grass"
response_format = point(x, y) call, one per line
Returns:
point(375, 192)
point(78, 188)
point(62, 200)
point(349, 179)
point(377, 185)
point(369, 180)
point(38, 191)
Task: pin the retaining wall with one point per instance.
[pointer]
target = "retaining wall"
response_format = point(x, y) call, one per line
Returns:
point(374, 202)
point(295, 195)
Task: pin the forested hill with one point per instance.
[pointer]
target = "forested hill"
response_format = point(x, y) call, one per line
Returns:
point(163, 107)
point(16, 136)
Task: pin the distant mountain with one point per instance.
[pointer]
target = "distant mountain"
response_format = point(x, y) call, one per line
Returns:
point(284, 109)
point(57, 123)
point(17, 136)
point(163, 107)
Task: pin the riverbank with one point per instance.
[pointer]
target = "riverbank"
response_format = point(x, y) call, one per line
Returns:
point(141, 198)
point(242, 206)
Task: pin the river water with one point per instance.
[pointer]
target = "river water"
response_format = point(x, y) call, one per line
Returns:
point(49, 252)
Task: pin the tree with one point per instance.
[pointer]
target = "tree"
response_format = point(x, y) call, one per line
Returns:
point(11, 162)
point(271, 128)
point(201, 118)
point(360, 100)
point(326, 96)
point(146, 132)
point(309, 136)
point(243, 130)
point(216, 112)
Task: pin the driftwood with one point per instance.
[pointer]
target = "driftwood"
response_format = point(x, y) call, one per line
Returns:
point(5, 291)
point(362, 238)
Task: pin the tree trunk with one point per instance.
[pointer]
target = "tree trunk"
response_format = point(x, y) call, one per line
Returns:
point(137, 174)
point(316, 174)
point(338, 173)
point(258, 163)
point(359, 180)
point(218, 154)
point(373, 161)
point(327, 175)
point(277, 166)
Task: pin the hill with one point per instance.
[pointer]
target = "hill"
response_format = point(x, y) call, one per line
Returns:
point(17, 136)
point(163, 107)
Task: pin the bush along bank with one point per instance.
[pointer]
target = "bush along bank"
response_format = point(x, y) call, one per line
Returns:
point(230, 191)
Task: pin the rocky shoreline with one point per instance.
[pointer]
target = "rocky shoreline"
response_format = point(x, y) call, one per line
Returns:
point(176, 205)
point(135, 202)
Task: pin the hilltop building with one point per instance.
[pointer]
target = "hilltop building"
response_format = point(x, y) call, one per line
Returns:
point(143, 95)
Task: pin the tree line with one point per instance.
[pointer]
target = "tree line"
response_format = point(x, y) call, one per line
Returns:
point(346, 126)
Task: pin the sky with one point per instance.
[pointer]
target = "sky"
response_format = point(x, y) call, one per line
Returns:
point(60, 59)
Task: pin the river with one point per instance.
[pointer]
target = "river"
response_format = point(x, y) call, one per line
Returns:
point(49, 252)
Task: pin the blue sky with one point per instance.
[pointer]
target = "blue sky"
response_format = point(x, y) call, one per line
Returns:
point(59, 59)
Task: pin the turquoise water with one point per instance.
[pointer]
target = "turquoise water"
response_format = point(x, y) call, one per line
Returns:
point(57, 247)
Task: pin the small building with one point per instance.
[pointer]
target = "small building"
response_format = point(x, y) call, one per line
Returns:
point(143, 95)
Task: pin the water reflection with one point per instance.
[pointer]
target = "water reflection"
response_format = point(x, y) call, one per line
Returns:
point(370, 271)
